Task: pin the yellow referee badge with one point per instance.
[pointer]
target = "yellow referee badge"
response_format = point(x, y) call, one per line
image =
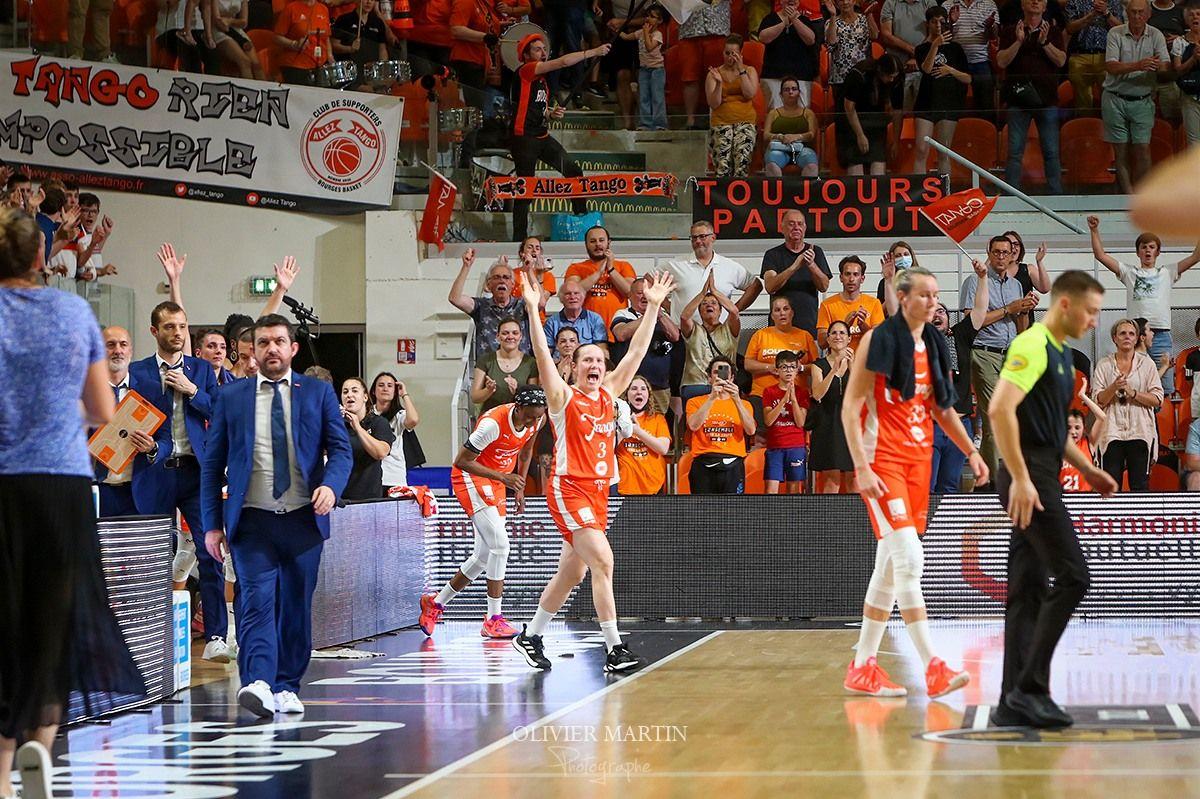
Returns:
point(1016, 363)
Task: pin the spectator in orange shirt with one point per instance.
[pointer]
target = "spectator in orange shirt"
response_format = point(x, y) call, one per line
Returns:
point(1070, 477)
point(720, 423)
point(782, 335)
point(302, 34)
point(860, 311)
point(606, 280)
point(642, 457)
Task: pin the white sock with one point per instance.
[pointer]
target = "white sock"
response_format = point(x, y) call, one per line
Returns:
point(494, 605)
point(869, 639)
point(541, 619)
point(611, 636)
point(445, 595)
point(918, 631)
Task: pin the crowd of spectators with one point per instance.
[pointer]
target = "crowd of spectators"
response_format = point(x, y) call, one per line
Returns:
point(772, 77)
point(725, 392)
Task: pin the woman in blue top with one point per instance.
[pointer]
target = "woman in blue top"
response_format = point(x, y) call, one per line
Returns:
point(57, 632)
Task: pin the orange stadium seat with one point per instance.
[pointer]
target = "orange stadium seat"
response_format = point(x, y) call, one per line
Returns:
point(1162, 141)
point(49, 23)
point(755, 462)
point(820, 101)
point(682, 484)
point(1086, 158)
point(829, 158)
point(753, 53)
point(1165, 420)
point(1033, 168)
point(976, 140)
point(264, 43)
point(1184, 379)
point(1163, 478)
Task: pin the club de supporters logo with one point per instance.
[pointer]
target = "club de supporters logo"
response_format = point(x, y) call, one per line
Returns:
point(343, 145)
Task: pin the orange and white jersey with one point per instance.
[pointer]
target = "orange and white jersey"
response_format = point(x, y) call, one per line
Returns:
point(897, 430)
point(583, 437)
point(496, 440)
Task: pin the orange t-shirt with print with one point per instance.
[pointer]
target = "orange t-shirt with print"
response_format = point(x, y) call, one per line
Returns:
point(603, 297)
point(765, 344)
point(642, 470)
point(835, 309)
point(471, 14)
point(1071, 478)
point(308, 23)
point(722, 432)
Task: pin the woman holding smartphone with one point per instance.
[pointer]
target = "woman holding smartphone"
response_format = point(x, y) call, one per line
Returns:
point(720, 423)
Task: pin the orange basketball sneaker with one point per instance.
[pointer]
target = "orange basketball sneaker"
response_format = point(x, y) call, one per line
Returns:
point(431, 613)
point(497, 627)
point(870, 679)
point(940, 679)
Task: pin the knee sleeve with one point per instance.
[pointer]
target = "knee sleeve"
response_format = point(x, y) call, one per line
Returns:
point(185, 557)
point(908, 562)
point(475, 565)
point(881, 590)
point(490, 525)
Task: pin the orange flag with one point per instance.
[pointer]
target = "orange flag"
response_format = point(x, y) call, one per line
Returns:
point(958, 214)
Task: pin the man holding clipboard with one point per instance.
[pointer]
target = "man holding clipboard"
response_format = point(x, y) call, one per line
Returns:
point(123, 492)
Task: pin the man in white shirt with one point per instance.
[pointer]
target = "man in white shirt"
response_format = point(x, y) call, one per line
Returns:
point(692, 273)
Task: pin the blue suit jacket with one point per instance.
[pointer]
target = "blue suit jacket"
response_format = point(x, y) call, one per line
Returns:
point(144, 483)
point(318, 433)
point(154, 486)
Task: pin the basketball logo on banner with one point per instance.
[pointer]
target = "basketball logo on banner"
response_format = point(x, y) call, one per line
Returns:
point(344, 145)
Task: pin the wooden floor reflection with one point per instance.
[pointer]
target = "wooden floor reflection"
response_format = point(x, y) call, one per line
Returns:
point(761, 713)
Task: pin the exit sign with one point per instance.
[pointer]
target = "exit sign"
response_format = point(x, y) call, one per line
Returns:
point(262, 286)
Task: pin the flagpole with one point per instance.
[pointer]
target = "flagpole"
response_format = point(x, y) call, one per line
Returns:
point(439, 174)
point(947, 235)
point(983, 173)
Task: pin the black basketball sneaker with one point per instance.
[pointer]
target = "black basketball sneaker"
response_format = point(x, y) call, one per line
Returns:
point(531, 648)
point(621, 659)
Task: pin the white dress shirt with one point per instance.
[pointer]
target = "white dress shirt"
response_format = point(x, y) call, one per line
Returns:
point(260, 492)
point(691, 275)
point(180, 443)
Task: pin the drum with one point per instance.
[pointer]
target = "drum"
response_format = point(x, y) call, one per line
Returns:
point(489, 164)
point(335, 75)
point(386, 74)
point(511, 37)
point(462, 118)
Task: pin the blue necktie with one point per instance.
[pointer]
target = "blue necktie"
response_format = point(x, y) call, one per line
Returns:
point(117, 394)
point(279, 445)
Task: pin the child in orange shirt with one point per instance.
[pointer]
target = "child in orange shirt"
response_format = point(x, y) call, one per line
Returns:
point(1068, 475)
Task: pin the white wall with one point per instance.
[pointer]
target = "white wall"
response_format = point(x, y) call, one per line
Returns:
point(225, 244)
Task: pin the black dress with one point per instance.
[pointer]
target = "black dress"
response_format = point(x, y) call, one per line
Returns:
point(366, 478)
point(829, 451)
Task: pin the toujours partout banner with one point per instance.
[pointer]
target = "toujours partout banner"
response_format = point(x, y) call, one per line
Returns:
point(868, 205)
point(197, 136)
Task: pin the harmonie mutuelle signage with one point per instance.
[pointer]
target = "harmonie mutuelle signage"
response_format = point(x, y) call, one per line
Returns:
point(202, 137)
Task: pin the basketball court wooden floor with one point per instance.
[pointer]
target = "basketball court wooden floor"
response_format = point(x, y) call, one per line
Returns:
point(738, 712)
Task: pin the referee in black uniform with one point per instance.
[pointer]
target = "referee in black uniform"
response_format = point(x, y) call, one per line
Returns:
point(1029, 416)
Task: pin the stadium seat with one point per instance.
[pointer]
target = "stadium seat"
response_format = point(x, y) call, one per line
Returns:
point(1165, 420)
point(1033, 168)
point(1184, 378)
point(48, 24)
point(1163, 478)
point(682, 484)
point(1162, 141)
point(974, 139)
point(829, 159)
point(820, 101)
point(753, 53)
point(1087, 159)
point(905, 163)
point(264, 43)
point(754, 464)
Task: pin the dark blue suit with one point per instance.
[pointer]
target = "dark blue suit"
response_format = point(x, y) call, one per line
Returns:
point(276, 556)
point(159, 490)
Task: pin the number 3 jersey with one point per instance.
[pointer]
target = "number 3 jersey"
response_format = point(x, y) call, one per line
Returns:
point(583, 437)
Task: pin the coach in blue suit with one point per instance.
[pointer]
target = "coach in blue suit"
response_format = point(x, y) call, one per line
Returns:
point(279, 442)
point(183, 388)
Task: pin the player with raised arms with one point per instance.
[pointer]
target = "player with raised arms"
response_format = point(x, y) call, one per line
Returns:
point(583, 467)
point(903, 384)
